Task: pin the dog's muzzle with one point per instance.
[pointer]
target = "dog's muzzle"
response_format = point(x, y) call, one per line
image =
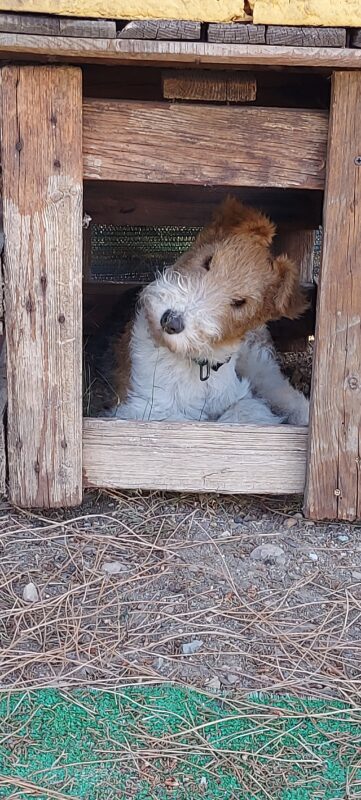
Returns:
point(172, 322)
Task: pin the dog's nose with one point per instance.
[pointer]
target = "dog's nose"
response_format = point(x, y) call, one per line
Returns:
point(172, 322)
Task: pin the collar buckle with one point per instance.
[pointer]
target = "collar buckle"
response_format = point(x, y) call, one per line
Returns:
point(204, 369)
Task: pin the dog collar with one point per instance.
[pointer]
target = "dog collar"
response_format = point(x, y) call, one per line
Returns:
point(205, 367)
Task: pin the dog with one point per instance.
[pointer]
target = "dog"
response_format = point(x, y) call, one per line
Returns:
point(198, 347)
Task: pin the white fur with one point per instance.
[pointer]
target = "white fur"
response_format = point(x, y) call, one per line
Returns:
point(166, 385)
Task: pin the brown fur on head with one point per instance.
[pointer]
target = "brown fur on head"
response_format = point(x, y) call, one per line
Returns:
point(227, 284)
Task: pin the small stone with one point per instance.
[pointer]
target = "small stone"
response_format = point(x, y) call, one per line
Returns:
point(291, 522)
point(313, 556)
point(112, 567)
point(342, 537)
point(231, 678)
point(203, 783)
point(269, 553)
point(188, 648)
point(356, 575)
point(214, 684)
point(30, 593)
point(298, 515)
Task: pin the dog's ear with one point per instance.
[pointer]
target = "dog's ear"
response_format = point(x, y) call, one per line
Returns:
point(236, 217)
point(290, 300)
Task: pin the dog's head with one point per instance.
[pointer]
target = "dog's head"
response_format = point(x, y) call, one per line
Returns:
point(227, 284)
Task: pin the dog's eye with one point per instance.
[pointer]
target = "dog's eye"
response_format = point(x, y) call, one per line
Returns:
point(238, 303)
point(207, 263)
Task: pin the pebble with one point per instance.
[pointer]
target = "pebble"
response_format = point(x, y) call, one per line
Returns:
point(231, 679)
point(112, 567)
point(203, 783)
point(342, 537)
point(214, 684)
point(30, 593)
point(356, 575)
point(191, 647)
point(269, 553)
point(291, 522)
point(313, 556)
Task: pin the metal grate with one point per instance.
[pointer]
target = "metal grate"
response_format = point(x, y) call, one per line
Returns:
point(133, 254)
point(127, 254)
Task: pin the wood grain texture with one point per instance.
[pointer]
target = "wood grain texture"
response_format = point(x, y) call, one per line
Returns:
point(172, 54)
point(217, 86)
point(89, 28)
point(127, 203)
point(233, 33)
point(3, 405)
point(334, 485)
point(166, 30)
point(42, 185)
point(183, 148)
point(30, 23)
point(299, 245)
point(355, 38)
point(193, 457)
point(296, 36)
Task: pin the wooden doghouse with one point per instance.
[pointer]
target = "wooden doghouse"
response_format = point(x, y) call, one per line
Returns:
point(133, 130)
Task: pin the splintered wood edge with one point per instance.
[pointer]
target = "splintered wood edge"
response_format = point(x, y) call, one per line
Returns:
point(194, 457)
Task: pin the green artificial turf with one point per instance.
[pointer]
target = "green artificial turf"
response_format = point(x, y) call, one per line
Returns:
point(170, 743)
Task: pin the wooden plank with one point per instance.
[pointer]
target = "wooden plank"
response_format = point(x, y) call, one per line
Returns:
point(161, 29)
point(334, 484)
point(127, 203)
point(355, 38)
point(345, 13)
point(90, 28)
point(205, 457)
point(3, 405)
point(299, 245)
point(172, 54)
point(236, 34)
point(182, 149)
point(29, 23)
point(294, 36)
point(219, 86)
point(42, 185)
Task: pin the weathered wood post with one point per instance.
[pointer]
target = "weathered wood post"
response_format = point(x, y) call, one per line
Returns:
point(333, 488)
point(42, 192)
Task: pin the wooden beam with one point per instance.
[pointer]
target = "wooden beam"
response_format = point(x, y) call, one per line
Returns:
point(42, 194)
point(193, 457)
point(173, 54)
point(296, 36)
point(30, 23)
point(217, 86)
point(167, 30)
point(114, 203)
point(88, 28)
point(334, 483)
point(194, 144)
point(236, 34)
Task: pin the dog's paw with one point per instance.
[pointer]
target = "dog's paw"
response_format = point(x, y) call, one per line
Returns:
point(300, 414)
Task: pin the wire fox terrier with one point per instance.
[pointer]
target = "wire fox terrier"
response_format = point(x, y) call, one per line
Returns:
point(198, 347)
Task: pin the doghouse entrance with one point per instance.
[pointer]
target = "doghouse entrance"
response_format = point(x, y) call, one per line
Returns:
point(193, 156)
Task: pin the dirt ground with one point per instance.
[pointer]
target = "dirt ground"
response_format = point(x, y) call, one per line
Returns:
point(217, 592)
